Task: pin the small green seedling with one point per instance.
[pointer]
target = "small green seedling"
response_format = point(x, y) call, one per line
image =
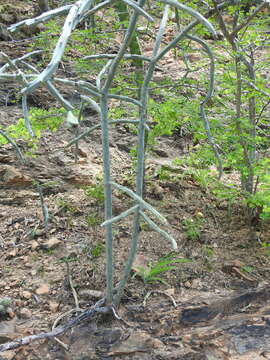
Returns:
point(266, 247)
point(150, 273)
point(97, 250)
point(93, 220)
point(4, 305)
point(192, 228)
point(96, 191)
point(66, 206)
point(67, 259)
point(247, 268)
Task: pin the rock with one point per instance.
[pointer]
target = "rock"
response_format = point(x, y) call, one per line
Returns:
point(9, 175)
point(108, 337)
point(82, 151)
point(170, 292)
point(17, 198)
point(12, 253)
point(44, 289)
point(54, 306)
point(139, 341)
point(187, 284)
point(25, 313)
point(6, 155)
point(52, 243)
point(25, 260)
point(8, 355)
point(34, 245)
point(39, 232)
point(7, 331)
point(83, 174)
point(26, 295)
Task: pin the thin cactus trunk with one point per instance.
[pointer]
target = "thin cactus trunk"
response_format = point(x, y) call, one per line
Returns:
point(75, 14)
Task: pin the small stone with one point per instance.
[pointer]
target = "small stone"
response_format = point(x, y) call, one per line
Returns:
point(157, 344)
point(52, 243)
point(39, 232)
point(137, 342)
point(54, 306)
point(34, 245)
point(7, 331)
point(12, 253)
point(26, 295)
point(199, 214)
point(13, 176)
point(170, 292)
point(25, 259)
point(195, 284)
point(8, 355)
point(43, 289)
point(25, 313)
point(83, 151)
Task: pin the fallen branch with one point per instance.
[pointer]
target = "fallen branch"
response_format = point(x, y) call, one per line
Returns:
point(96, 308)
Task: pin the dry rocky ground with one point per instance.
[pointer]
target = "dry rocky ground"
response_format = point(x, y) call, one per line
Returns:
point(214, 307)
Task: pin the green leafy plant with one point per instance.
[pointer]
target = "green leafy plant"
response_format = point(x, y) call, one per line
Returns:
point(47, 39)
point(67, 259)
point(97, 250)
point(260, 200)
point(163, 173)
point(174, 114)
point(208, 251)
point(96, 191)
point(94, 252)
point(208, 257)
point(48, 252)
point(150, 273)
point(192, 228)
point(244, 97)
point(266, 247)
point(66, 206)
point(41, 120)
point(93, 220)
point(5, 304)
point(247, 268)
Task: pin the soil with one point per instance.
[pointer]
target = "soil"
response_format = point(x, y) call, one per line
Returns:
point(214, 307)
